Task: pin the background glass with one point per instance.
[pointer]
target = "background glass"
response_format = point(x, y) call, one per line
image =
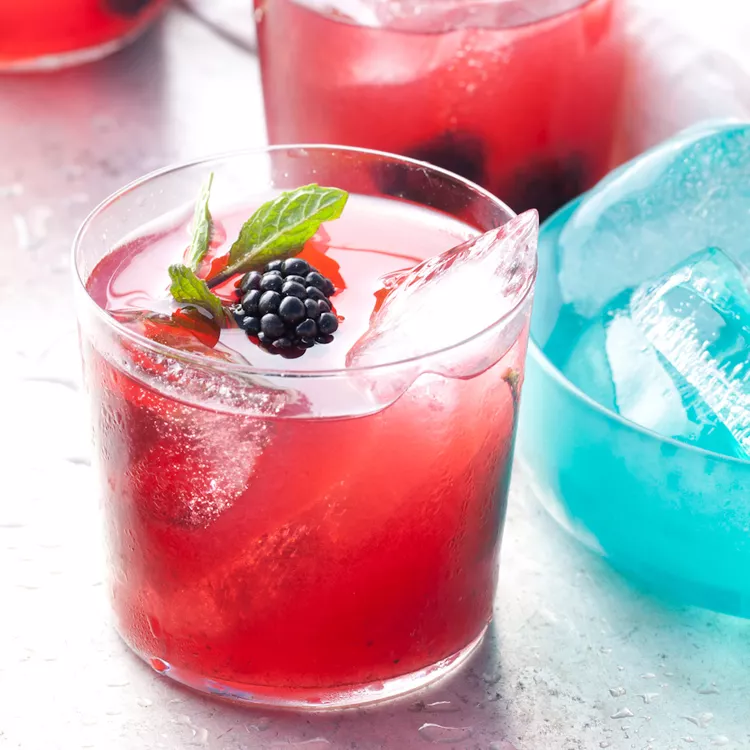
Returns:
point(521, 97)
point(36, 34)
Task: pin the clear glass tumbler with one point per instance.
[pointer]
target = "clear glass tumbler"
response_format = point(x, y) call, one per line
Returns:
point(519, 96)
point(309, 538)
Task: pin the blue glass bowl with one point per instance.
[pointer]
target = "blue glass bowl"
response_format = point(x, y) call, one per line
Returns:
point(674, 516)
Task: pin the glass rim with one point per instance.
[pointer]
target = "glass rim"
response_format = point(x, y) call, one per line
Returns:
point(550, 13)
point(241, 368)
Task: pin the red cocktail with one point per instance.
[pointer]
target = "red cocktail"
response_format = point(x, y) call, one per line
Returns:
point(520, 96)
point(51, 33)
point(311, 526)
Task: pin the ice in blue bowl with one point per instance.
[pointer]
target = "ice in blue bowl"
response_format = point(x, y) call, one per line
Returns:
point(635, 421)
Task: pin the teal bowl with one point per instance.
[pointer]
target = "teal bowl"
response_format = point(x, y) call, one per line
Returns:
point(671, 515)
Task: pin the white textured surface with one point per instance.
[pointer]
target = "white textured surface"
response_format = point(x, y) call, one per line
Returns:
point(577, 659)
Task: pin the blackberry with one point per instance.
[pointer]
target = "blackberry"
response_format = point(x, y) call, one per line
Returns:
point(459, 152)
point(547, 185)
point(287, 306)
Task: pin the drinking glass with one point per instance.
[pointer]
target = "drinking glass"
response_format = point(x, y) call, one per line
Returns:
point(519, 96)
point(294, 537)
point(44, 34)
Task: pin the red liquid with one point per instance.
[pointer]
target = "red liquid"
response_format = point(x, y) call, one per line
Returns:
point(287, 554)
point(527, 112)
point(30, 29)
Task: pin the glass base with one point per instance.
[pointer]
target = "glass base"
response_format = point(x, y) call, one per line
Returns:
point(320, 699)
point(68, 59)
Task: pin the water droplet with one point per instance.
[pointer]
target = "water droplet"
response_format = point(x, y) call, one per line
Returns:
point(647, 697)
point(145, 702)
point(118, 683)
point(604, 650)
point(719, 740)
point(605, 743)
point(702, 720)
point(648, 676)
point(617, 692)
point(688, 739)
point(708, 689)
point(623, 713)
point(154, 625)
point(441, 707)
point(160, 666)
point(446, 735)
point(261, 724)
point(200, 735)
point(78, 460)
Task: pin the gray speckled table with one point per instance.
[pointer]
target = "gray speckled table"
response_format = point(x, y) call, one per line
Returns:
point(576, 658)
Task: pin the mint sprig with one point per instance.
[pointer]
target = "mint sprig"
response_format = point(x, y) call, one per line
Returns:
point(188, 289)
point(201, 227)
point(280, 227)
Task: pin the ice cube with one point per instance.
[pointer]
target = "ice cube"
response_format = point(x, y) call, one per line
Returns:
point(672, 355)
point(695, 188)
point(644, 391)
point(697, 317)
point(613, 363)
point(218, 376)
point(453, 297)
point(199, 465)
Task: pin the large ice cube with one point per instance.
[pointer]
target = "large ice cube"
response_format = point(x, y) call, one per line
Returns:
point(698, 318)
point(672, 355)
point(614, 364)
point(687, 194)
point(452, 297)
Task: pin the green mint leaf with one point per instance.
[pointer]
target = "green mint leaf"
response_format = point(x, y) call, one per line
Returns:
point(188, 289)
point(280, 227)
point(201, 228)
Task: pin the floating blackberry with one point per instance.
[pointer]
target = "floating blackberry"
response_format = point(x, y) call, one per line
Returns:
point(287, 306)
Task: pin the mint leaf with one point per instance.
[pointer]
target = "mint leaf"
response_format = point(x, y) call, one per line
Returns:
point(201, 228)
point(188, 289)
point(284, 224)
point(280, 227)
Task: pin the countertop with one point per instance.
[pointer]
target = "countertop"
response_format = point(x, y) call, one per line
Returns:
point(576, 659)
